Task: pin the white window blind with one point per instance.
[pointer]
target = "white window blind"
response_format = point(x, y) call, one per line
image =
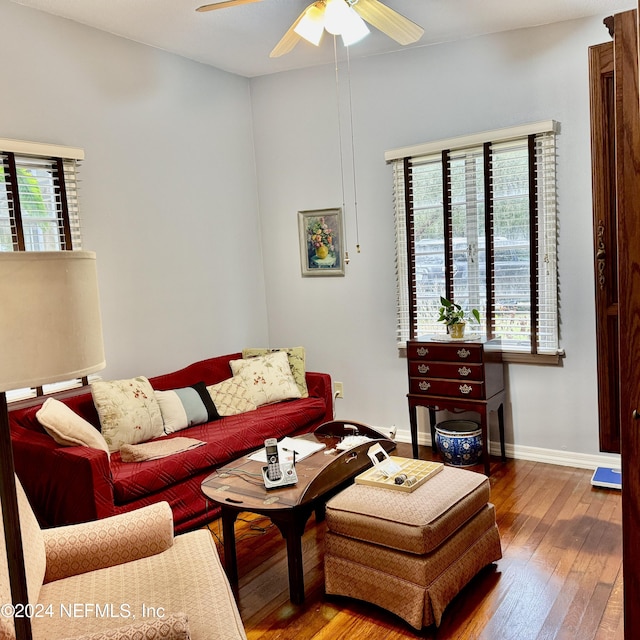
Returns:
point(476, 222)
point(38, 203)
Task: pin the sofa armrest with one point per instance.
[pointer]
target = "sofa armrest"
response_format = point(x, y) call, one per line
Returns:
point(80, 548)
point(319, 385)
point(171, 627)
point(64, 484)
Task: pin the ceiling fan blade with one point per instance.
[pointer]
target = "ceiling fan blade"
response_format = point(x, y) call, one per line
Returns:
point(289, 40)
point(225, 4)
point(388, 21)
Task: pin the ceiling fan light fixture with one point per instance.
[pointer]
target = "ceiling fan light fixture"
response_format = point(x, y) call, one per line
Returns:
point(336, 15)
point(341, 20)
point(311, 26)
point(354, 29)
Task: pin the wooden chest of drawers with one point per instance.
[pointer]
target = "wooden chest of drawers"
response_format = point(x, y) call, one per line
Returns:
point(455, 369)
point(464, 375)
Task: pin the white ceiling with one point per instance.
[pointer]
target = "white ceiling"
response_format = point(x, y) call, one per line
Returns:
point(239, 39)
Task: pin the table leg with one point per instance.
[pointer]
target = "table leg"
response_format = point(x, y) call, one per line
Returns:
point(484, 425)
point(432, 424)
point(413, 423)
point(292, 527)
point(229, 541)
point(501, 427)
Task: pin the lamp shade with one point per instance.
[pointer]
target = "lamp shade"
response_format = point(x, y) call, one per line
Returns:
point(50, 324)
point(353, 29)
point(311, 26)
point(335, 14)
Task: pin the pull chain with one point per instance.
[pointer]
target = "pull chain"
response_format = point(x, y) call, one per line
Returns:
point(353, 154)
point(344, 208)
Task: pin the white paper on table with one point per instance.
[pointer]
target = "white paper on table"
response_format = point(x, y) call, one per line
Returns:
point(286, 447)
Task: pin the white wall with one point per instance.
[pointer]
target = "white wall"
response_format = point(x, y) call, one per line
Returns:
point(170, 202)
point(168, 186)
point(408, 97)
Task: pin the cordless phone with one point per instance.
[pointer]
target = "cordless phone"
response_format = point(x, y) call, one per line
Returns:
point(277, 474)
point(273, 462)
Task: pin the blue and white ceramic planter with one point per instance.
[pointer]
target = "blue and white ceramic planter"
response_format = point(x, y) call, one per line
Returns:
point(459, 442)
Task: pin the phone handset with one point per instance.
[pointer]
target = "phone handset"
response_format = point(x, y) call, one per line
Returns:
point(274, 472)
point(277, 474)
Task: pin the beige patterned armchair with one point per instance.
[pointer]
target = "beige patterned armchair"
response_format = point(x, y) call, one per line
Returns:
point(121, 577)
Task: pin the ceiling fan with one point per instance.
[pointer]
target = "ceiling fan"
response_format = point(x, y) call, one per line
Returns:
point(316, 17)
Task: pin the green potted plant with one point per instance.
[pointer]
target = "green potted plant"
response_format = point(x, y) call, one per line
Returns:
point(455, 317)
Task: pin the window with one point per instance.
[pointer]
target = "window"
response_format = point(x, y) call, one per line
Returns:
point(39, 207)
point(476, 223)
point(38, 198)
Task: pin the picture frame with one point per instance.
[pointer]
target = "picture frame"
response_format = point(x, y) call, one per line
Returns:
point(321, 242)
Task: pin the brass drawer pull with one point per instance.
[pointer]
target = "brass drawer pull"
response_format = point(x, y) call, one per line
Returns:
point(422, 351)
point(466, 389)
point(424, 386)
point(463, 353)
point(423, 368)
point(464, 371)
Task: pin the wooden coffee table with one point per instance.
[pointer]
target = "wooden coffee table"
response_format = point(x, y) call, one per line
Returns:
point(238, 487)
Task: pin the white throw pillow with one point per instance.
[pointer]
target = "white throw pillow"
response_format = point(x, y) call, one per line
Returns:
point(128, 410)
point(231, 397)
point(67, 428)
point(267, 378)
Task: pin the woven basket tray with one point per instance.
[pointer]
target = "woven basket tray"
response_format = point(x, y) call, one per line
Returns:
point(422, 470)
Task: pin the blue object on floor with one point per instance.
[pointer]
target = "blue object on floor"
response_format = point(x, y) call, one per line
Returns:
point(605, 477)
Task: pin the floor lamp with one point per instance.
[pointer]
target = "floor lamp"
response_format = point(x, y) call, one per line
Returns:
point(50, 330)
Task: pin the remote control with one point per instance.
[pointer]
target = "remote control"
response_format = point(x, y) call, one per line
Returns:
point(273, 462)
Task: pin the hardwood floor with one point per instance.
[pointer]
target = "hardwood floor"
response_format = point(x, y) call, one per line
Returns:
point(560, 576)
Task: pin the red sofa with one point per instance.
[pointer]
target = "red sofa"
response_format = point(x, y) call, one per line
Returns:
point(67, 485)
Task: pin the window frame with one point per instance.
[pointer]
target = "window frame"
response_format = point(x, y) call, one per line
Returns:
point(541, 193)
point(63, 162)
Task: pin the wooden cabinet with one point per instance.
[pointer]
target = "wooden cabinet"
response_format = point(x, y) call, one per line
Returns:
point(615, 115)
point(456, 375)
point(628, 209)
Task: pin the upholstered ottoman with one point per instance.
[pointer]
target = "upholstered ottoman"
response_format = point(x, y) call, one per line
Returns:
point(411, 553)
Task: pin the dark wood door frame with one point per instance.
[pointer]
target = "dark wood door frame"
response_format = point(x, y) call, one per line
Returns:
point(628, 202)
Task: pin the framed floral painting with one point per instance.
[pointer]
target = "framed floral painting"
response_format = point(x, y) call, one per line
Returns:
point(321, 242)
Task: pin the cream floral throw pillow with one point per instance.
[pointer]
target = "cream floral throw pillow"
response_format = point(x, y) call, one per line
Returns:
point(268, 378)
point(128, 410)
point(296, 356)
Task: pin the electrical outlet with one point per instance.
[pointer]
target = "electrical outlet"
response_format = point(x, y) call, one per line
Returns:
point(337, 390)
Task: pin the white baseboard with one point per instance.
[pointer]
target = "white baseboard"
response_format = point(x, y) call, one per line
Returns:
point(535, 454)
